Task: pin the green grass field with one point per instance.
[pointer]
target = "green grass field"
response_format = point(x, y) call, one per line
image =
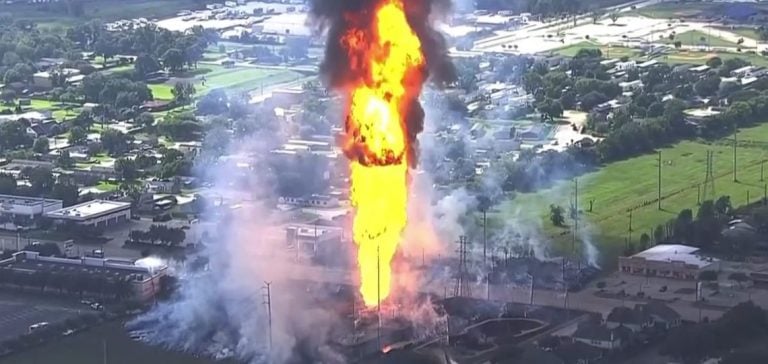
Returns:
point(608, 52)
point(240, 79)
point(626, 185)
point(745, 32)
point(694, 38)
point(107, 10)
point(88, 348)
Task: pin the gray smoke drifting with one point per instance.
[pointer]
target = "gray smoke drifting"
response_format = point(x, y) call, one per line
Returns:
point(219, 310)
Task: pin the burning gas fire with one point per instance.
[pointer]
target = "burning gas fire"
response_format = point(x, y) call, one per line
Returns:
point(387, 65)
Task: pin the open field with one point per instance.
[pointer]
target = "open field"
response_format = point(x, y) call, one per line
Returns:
point(238, 79)
point(628, 185)
point(694, 38)
point(608, 52)
point(746, 32)
point(89, 347)
point(107, 10)
point(672, 56)
point(675, 10)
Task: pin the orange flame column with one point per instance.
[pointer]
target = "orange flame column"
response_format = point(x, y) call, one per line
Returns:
point(386, 62)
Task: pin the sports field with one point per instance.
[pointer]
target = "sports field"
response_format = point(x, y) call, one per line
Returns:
point(238, 79)
point(699, 38)
point(676, 10)
point(619, 187)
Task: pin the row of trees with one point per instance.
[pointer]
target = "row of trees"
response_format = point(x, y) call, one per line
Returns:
point(41, 183)
point(159, 233)
point(727, 337)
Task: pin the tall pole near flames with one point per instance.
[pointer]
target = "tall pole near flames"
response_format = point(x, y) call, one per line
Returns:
point(268, 303)
point(378, 296)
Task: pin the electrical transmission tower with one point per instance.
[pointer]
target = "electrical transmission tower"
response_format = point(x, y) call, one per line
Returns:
point(709, 178)
point(462, 280)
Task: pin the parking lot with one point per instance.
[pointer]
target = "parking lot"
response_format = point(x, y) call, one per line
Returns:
point(19, 311)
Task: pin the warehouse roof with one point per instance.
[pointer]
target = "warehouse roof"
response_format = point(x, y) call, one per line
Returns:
point(89, 209)
point(675, 252)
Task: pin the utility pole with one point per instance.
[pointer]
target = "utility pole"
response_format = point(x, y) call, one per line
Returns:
point(735, 134)
point(378, 295)
point(762, 169)
point(575, 214)
point(698, 194)
point(659, 190)
point(104, 344)
point(629, 230)
point(268, 302)
point(485, 236)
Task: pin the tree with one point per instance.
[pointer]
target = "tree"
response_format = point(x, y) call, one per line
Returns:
point(658, 234)
point(173, 60)
point(678, 44)
point(114, 142)
point(215, 102)
point(64, 160)
point(13, 135)
point(41, 180)
point(296, 48)
point(601, 285)
point(41, 145)
point(7, 96)
point(126, 169)
point(723, 205)
point(145, 119)
point(7, 184)
point(738, 277)
point(614, 17)
point(183, 92)
point(714, 62)
point(551, 109)
point(145, 64)
point(77, 136)
point(67, 193)
point(645, 240)
point(707, 86)
point(105, 47)
point(556, 215)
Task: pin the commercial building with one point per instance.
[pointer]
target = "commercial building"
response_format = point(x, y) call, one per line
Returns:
point(142, 276)
point(96, 213)
point(669, 261)
point(24, 210)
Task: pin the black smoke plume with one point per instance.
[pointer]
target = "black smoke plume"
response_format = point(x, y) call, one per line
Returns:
point(339, 16)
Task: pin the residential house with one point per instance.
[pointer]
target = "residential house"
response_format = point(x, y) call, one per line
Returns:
point(631, 86)
point(601, 336)
point(633, 319)
point(578, 353)
point(164, 186)
point(662, 315)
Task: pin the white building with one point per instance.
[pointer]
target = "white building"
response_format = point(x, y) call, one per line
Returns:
point(26, 209)
point(97, 213)
point(668, 260)
point(143, 275)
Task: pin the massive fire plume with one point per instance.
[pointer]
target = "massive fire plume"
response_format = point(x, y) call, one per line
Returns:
point(379, 55)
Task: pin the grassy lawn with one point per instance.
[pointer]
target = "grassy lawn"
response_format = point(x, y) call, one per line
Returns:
point(608, 52)
point(161, 91)
point(240, 79)
point(88, 348)
point(107, 10)
point(745, 32)
point(628, 185)
point(106, 186)
point(694, 38)
point(693, 57)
